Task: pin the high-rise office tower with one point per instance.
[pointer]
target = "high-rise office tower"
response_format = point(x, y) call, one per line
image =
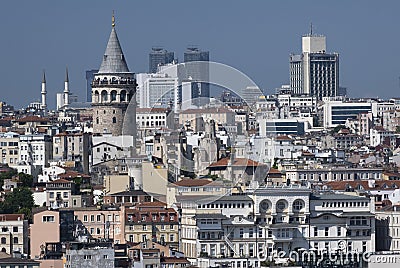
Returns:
point(89, 79)
point(159, 56)
point(157, 90)
point(197, 70)
point(314, 72)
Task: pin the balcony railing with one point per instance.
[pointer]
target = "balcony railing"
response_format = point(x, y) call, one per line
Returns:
point(113, 82)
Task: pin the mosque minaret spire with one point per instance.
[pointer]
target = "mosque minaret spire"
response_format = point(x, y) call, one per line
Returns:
point(66, 88)
point(44, 92)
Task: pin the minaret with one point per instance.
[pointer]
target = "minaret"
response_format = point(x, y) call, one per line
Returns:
point(66, 89)
point(44, 92)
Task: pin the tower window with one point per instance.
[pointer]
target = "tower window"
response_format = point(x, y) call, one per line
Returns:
point(114, 120)
point(113, 95)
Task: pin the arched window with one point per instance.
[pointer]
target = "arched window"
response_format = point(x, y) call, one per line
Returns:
point(3, 240)
point(281, 205)
point(298, 205)
point(104, 96)
point(114, 120)
point(96, 96)
point(265, 205)
point(97, 120)
point(113, 95)
point(123, 95)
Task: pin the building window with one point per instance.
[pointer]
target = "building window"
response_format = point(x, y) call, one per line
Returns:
point(15, 240)
point(326, 231)
point(298, 205)
point(3, 240)
point(15, 229)
point(171, 238)
point(48, 219)
point(251, 232)
point(87, 257)
point(281, 205)
point(114, 120)
point(85, 218)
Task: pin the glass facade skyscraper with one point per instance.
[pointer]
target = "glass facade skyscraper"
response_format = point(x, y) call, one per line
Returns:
point(159, 56)
point(197, 69)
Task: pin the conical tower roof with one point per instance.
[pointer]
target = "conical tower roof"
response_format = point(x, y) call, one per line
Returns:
point(113, 59)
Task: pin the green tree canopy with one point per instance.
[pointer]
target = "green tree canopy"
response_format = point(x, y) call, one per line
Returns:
point(25, 180)
point(20, 199)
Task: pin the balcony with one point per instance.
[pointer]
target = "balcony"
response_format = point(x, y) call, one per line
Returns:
point(119, 82)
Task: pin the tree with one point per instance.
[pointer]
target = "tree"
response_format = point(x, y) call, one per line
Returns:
point(7, 175)
point(20, 199)
point(25, 180)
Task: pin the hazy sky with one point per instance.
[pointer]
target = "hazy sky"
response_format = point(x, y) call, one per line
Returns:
point(255, 37)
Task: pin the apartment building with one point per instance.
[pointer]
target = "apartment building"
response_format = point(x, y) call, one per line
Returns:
point(9, 148)
point(152, 221)
point(14, 233)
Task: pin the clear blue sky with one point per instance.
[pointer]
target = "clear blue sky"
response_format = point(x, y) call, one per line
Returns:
point(255, 37)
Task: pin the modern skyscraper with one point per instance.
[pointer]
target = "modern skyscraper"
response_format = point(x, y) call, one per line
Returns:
point(159, 56)
point(197, 70)
point(113, 88)
point(314, 72)
point(89, 79)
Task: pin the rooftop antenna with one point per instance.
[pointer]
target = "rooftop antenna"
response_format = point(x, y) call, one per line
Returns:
point(311, 29)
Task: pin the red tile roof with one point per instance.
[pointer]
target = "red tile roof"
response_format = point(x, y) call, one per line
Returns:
point(379, 185)
point(192, 182)
point(283, 138)
point(32, 118)
point(174, 260)
point(239, 162)
point(11, 217)
point(60, 181)
point(70, 174)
